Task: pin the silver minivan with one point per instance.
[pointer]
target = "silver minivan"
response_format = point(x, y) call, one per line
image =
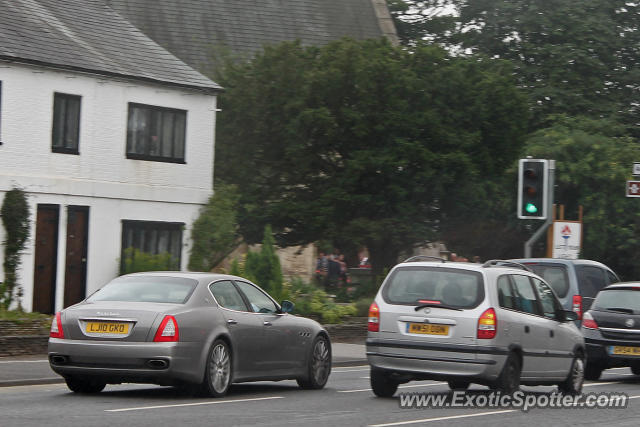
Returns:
point(496, 324)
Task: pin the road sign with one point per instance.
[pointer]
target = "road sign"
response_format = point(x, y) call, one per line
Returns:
point(633, 188)
point(567, 238)
point(636, 168)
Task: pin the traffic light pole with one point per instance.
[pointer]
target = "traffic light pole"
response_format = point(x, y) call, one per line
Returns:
point(529, 243)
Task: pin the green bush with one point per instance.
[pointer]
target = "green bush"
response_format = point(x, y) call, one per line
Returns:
point(312, 301)
point(263, 267)
point(135, 260)
point(15, 218)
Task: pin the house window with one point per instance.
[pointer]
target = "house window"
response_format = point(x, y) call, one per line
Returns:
point(150, 245)
point(156, 133)
point(66, 123)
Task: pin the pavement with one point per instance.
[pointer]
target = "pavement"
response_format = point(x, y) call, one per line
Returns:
point(34, 370)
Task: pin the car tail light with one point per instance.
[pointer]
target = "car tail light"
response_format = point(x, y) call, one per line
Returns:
point(374, 318)
point(487, 324)
point(577, 305)
point(589, 322)
point(167, 331)
point(56, 327)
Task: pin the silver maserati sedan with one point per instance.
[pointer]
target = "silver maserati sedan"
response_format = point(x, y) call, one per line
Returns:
point(204, 331)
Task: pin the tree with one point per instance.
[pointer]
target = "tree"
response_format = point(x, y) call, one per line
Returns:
point(215, 232)
point(364, 142)
point(574, 58)
point(593, 162)
point(15, 218)
point(263, 267)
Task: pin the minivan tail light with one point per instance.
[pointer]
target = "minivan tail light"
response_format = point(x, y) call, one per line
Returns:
point(487, 324)
point(589, 322)
point(167, 331)
point(374, 318)
point(577, 305)
point(56, 327)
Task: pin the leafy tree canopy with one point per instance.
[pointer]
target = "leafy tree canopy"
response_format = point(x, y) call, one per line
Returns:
point(573, 57)
point(364, 142)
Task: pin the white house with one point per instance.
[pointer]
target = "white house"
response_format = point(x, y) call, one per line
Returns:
point(110, 136)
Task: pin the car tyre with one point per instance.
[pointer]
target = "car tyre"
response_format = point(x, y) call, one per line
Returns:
point(509, 379)
point(85, 385)
point(382, 384)
point(318, 365)
point(593, 371)
point(635, 369)
point(458, 384)
point(218, 372)
point(575, 379)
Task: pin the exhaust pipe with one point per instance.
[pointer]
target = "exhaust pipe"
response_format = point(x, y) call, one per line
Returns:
point(57, 359)
point(157, 364)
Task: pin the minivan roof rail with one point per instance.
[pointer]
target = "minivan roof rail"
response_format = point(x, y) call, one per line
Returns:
point(503, 263)
point(424, 257)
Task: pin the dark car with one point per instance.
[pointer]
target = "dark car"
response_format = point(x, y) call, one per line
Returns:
point(611, 330)
point(576, 281)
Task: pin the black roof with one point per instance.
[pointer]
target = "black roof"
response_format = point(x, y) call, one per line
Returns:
point(199, 30)
point(88, 36)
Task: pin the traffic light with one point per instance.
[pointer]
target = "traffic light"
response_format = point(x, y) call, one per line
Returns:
point(532, 188)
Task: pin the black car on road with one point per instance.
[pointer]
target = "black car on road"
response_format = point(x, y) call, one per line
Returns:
point(611, 330)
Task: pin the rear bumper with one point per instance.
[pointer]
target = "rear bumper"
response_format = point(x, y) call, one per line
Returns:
point(427, 361)
point(598, 352)
point(149, 362)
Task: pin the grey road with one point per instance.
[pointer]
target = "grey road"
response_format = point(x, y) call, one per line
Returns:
point(346, 401)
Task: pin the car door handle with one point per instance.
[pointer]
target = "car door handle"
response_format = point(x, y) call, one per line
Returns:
point(551, 334)
point(266, 323)
point(526, 329)
point(232, 322)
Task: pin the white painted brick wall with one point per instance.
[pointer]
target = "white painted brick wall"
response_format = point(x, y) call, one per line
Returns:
point(101, 177)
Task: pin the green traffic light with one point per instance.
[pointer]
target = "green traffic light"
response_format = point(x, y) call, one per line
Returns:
point(531, 208)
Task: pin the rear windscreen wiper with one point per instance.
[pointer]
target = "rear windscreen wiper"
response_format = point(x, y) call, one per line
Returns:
point(621, 309)
point(432, 304)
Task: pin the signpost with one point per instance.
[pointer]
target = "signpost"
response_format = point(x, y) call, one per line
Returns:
point(567, 236)
point(633, 188)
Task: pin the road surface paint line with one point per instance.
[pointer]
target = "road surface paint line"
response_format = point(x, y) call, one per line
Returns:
point(602, 383)
point(452, 417)
point(179, 405)
point(30, 379)
point(333, 371)
point(23, 361)
point(402, 386)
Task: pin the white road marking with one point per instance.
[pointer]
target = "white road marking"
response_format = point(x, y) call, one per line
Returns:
point(179, 405)
point(402, 386)
point(24, 361)
point(451, 417)
point(30, 379)
point(333, 371)
point(602, 383)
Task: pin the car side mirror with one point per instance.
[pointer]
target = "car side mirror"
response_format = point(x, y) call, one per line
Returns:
point(568, 315)
point(287, 306)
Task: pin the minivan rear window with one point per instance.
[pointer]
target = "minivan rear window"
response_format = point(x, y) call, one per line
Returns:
point(555, 275)
point(447, 286)
point(174, 290)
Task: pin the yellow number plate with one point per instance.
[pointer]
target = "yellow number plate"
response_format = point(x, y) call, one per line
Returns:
point(107, 328)
point(632, 351)
point(425, 328)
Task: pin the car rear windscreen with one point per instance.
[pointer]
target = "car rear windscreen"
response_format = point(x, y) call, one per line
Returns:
point(555, 275)
point(447, 286)
point(625, 300)
point(174, 290)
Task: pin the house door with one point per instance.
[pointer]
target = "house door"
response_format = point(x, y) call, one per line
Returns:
point(75, 275)
point(46, 258)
